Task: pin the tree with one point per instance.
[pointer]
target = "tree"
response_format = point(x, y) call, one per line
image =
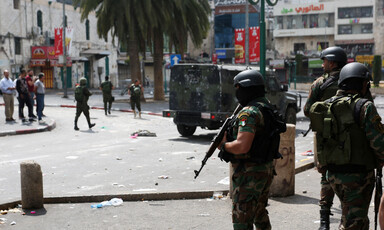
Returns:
point(123, 19)
point(177, 20)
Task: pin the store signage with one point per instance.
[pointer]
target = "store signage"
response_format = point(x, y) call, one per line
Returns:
point(40, 55)
point(315, 63)
point(354, 21)
point(221, 54)
point(254, 45)
point(229, 2)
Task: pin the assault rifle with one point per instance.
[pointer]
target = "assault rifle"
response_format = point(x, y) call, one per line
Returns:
point(217, 139)
point(378, 192)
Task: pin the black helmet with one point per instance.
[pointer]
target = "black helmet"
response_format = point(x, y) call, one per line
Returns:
point(335, 54)
point(248, 78)
point(354, 70)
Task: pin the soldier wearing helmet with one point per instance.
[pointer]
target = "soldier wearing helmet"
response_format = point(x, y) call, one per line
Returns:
point(323, 88)
point(82, 95)
point(243, 145)
point(353, 147)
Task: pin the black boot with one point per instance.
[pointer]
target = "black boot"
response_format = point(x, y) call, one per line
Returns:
point(324, 219)
point(90, 125)
point(76, 128)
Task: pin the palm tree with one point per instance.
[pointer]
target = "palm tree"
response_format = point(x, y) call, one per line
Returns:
point(178, 19)
point(124, 20)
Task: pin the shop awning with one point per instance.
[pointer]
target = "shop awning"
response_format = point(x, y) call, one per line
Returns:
point(79, 59)
point(95, 52)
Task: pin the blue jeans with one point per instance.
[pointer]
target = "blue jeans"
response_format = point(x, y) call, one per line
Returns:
point(40, 105)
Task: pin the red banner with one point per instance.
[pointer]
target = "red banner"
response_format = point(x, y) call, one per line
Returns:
point(58, 41)
point(42, 55)
point(254, 44)
point(239, 46)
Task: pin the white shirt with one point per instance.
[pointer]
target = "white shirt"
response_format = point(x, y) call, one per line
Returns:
point(40, 88)
point(6, 83)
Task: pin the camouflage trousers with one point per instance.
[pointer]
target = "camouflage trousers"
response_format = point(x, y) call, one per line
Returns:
point(82, 108)
point(326, 193)
point(355, 192)
point(251, 183)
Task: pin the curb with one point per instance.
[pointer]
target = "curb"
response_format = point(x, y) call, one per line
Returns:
point(50, 126)
point(137, 196)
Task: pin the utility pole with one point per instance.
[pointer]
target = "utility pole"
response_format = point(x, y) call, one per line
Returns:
point(262, 30)
point(246, 33)
point(64, 55)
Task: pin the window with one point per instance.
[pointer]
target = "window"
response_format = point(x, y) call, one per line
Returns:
point(40, 21)
point(17, 45)
point(345, 29)
point(322, 45)
point(87, 37)
point(366, 28)
point(299, 47)
point(16, 4)
point(313, 20)
point(356, 12)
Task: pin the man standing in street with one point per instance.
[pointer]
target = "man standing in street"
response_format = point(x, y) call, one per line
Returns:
point(135, 91)
point(24, 97)
point(31, 88)
point(325, 87)
point(350, 143)
point(250, 146)
point(7, 87)
point(107, 87)
point(40, 92)
point(82, 95)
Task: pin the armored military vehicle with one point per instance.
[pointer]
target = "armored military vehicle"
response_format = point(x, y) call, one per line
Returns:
point(203, 95)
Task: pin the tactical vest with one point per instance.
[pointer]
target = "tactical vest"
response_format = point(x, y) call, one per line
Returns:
point(329, 87)
point(79, 93)
point(265, 145)
point(340, 140)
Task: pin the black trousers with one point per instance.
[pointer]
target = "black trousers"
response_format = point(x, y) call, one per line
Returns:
point(24, 99)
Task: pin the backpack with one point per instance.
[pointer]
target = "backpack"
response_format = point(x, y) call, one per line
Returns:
point(335, 121)
point(79, 95)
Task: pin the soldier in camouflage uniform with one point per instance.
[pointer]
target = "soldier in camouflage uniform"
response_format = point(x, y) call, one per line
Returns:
point(351, 174)
point(253, 171)
point(82, 105)
point(135, 91)
point(325, 87)
point(107, 88)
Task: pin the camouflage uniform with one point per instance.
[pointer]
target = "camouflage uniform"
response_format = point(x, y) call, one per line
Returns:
point(251, 181)
point(82, 106)
point(353, 185)
point(106, 87)
point(317, 94)
point(135, 99)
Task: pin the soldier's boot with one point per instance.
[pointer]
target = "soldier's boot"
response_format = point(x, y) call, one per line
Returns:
point(90, 125)
point(76, 128)
point(109, 110)
point(134, 113)
point(324, 219)
point(106, 113)
point(140, 114)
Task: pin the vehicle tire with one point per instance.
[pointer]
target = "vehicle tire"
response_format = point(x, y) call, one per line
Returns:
point(186, 130)
point(290, 115)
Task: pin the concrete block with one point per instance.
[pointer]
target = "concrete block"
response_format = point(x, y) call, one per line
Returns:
point(284, 183)
point(31, 185)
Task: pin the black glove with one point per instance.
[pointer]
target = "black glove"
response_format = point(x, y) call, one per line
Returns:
point(225, 156)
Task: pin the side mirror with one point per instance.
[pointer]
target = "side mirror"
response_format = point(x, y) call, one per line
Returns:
point(284, 87)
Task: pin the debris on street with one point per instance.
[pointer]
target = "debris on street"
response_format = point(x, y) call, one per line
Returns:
point(144, 133)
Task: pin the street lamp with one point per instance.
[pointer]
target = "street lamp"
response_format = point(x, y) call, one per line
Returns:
point(262, 30)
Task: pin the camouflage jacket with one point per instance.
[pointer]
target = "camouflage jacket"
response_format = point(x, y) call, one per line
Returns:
point(316, 93)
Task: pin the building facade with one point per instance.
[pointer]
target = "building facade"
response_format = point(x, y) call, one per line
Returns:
point(27, 34)
point(307, 27)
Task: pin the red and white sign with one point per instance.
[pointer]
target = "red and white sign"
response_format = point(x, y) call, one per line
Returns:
point(41, 55)
point(58, 41)
point(254, 44)
point(239, 46)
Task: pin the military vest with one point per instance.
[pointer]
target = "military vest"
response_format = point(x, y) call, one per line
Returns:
point(340, 139)
point(329, 87)
point(265, 145)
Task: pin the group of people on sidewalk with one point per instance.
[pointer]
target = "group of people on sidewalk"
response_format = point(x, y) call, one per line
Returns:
point(27, 89)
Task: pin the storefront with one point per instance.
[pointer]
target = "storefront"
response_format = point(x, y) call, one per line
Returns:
point(43, 59)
